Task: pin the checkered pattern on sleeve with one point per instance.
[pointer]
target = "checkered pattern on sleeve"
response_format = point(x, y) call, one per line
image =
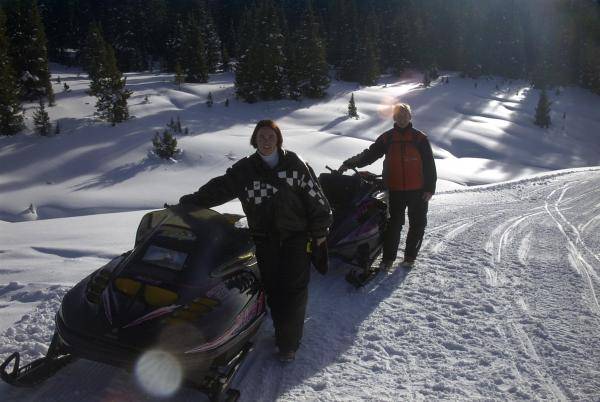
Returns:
point(258, 191)
point(304, 181)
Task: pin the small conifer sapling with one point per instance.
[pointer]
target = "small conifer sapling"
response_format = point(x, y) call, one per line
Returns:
point(165, 145)
point(542, 111)
point(352, 111)
point(41, 120)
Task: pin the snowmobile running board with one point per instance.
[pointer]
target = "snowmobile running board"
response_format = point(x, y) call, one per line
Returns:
point(33, 373)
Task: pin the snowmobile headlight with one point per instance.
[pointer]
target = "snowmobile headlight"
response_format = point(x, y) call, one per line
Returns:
point(159, 297)
point(128, 286)
point(153, 295)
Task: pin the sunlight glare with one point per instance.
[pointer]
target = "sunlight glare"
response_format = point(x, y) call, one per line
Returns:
point(159, 373)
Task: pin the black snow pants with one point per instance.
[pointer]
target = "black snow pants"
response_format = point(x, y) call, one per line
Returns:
point(284, 268)
point(398, 202)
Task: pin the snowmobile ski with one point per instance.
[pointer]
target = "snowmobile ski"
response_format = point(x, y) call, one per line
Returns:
point(37, 371)
point(361, 277)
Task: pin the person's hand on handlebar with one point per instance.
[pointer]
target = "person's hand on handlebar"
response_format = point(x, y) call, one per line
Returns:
point(342, 169)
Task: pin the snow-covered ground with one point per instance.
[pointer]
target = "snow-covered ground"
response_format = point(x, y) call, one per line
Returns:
point(503, 304)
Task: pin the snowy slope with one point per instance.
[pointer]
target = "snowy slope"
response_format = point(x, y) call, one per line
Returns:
point(479, 135)
point(504, 304)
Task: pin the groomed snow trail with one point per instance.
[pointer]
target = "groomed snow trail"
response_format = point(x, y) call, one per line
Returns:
point(503, 304)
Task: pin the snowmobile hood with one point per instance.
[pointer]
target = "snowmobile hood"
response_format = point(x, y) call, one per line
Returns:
point(191, 272)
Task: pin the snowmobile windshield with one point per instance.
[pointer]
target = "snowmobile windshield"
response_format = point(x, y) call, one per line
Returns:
point(164, 257)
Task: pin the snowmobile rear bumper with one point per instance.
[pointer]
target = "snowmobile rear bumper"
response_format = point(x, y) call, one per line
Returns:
point(107, 351)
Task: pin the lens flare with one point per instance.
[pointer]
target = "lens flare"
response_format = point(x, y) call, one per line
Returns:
point(158, 373)
point(385, 108)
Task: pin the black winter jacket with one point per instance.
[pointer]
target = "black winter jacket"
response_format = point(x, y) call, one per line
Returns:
point(284, 200)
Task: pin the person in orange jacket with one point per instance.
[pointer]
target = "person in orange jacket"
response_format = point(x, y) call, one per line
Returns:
point(410, 176)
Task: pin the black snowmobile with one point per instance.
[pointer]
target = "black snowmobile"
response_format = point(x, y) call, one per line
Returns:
point(359, 204)
point(190, 287)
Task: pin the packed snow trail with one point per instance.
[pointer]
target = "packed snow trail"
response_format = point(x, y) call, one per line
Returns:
point(503, 304)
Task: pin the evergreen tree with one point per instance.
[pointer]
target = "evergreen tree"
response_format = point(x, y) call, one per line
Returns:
point(57, 128)
point(93, 52)
point(261, 72)
point(110, 91)
point(352, 111)
point(213, 44)
point(209, 100)
point(11, 115)
point(247, 75)
point(165, 145)
point(225, 64)
point(174, 42)
point(193, 55)
point(28, 49)
point(179, 75)
point(366, 54)
point(396, 43)
point(542, 111)
point(41, 120)
point(308, 70)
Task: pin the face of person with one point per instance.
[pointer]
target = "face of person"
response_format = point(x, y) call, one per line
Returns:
point(266, 140)
point(402, 118)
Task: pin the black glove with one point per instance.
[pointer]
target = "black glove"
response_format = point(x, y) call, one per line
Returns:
point(320, 256)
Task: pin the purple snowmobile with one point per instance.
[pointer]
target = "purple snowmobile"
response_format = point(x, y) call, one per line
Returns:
point(359, 205)
point(190, 288)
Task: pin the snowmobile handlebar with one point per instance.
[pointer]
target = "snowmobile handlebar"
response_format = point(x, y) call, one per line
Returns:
point(366, 177)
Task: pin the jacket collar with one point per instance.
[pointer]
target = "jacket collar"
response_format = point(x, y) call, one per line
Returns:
point(259, 161)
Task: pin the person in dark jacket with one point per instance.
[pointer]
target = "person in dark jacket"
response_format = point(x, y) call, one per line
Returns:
point(285, 207)
point(410, 176)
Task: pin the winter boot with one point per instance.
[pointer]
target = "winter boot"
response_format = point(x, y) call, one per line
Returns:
point(286, 357)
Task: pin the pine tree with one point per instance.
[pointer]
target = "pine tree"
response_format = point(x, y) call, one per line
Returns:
point(308, 70)
point(57, 128)
point(28, 51)
point(209, 100)
point(41, 120)
point(109, 88)
point(542, 111)
point(426, 78)
point(93, 51)
point(11, 115)
point(366, 54)
point(179, 75)
point(261, 71)
point(165, 145)
point(247, 77)
point(213, 44)
point(193, 55)
point(352, 111)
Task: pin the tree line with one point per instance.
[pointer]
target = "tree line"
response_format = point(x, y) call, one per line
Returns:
point(287, 48)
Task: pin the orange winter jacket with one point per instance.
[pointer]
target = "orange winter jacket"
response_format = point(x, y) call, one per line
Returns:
point(408, 163)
